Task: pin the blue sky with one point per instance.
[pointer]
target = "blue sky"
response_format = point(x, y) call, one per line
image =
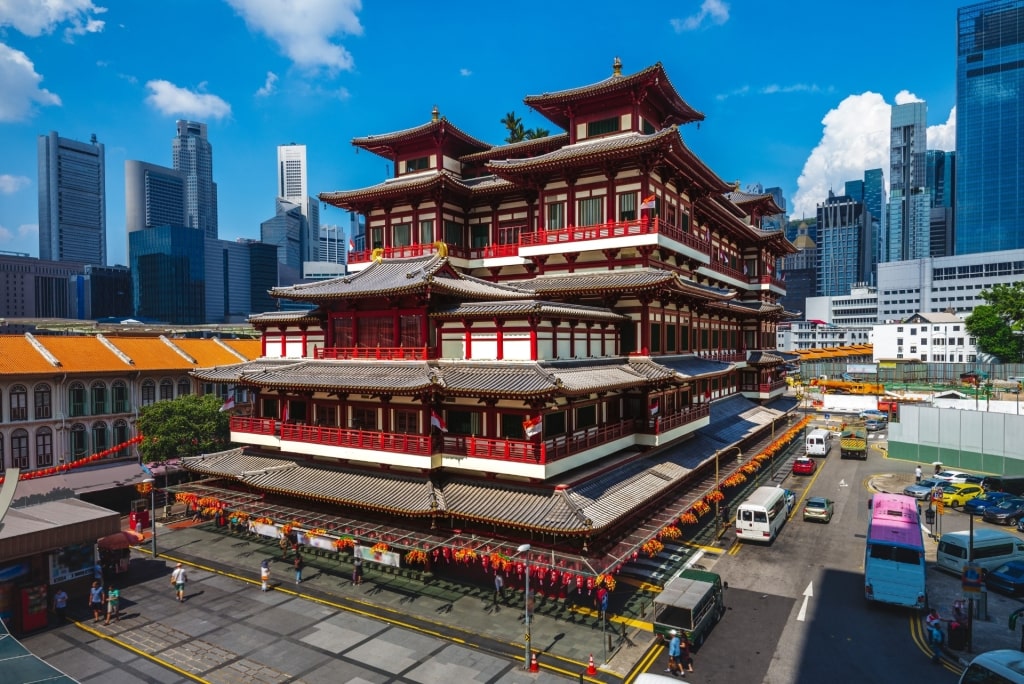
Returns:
point(795, 93)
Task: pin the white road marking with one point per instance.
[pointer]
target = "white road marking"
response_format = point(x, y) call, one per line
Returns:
point(808, 593)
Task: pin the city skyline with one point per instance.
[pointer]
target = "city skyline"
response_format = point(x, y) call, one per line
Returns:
point(322, 74)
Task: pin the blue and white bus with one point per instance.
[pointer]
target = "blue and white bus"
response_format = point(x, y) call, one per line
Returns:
point(894, 567)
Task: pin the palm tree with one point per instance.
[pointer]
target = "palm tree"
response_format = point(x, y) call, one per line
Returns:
point(514, 125)
point(534, 133)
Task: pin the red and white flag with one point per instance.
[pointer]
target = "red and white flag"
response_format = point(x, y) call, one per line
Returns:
point(654, 407)
point(228, 404)
point(648, 203)
point(351, 245)
point(437, 421)
point(532, 426)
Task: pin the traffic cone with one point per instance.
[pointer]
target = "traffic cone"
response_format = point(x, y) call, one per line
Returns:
point(591, 670)
point(533, 662)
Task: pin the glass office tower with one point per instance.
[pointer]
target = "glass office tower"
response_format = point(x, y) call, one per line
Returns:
point(990, 127)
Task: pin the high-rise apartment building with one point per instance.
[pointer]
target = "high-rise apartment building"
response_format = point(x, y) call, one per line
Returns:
point(907, 230)
point(193, 156)
point(72, 200)
point(292, 186)
point(990, 127)
point(844, 245)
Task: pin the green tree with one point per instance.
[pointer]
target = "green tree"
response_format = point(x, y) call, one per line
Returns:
point(187, 426)
point(516, 133)
point(997, 325)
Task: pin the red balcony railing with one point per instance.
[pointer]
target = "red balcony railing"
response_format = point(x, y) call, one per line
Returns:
point(764, 387)
point(728, 271)
point(256, 426)
point(395, 442)
point(374, 353)
point(689, 415)
point(517, 450)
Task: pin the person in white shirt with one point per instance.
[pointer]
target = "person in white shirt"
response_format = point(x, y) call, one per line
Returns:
point(178, 579)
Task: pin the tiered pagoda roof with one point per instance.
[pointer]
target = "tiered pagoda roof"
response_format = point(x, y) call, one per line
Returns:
point(436, 130)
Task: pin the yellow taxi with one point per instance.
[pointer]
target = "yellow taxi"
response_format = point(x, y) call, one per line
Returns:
point(956, 495)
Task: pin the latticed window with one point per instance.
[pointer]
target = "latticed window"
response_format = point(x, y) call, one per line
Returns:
point(19, 449)
point(602, 126)
point(148, 392)
point(407, 422)
point(426, 232)
point(166, 390)
point(19, 402)
point(76, 399)
point(591, 211)
point(43, 401)
point(78, 441)
point(184, 387)
point(453, 233)
point(120, 395)
point(480, 235)
point(100, 439)
point(555, 215)
point(376, 331)
point(364, 418)
point(120, 432)
point(44, 447)
point(401, 235)
point(343, 332)
point(627, 206)
point(99, 398)
point(410, 334)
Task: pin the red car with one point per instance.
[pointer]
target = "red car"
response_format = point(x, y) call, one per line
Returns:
point(804, 466)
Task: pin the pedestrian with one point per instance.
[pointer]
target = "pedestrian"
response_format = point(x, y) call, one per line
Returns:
point(933, 618)
point(959, 611)
point(113, 604)
point(178, 579)
point(60, 603)
point(298, 569)
point(283, 543)
point(935, 639)
point(685, 656)
point(96, 600)
point(357, 566)
point(674, 649)
point(499, 587)
point(917, 475)
point(265, 575)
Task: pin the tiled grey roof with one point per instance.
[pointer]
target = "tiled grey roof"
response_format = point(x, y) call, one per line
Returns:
point(399, 185)
point(498, 378)
point(531, 307)
point(284, 316)
point(541, 509)
point(692, 366)
point(354, 376)
point(233, 463)
point(617, 280)
point(390, 277)
point(763, 358)
point(754, 307)
point(430, 129)
point(517, 149)
point(592, 378)
point(235, 372)
point(608, 146)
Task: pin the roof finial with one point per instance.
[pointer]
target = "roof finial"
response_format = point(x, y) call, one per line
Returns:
point(434, 114)
point(617, 67)
point(736, 185)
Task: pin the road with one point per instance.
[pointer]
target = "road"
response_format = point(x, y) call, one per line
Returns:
point(796, 609)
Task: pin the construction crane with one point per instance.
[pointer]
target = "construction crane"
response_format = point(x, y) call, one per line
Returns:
point(848, 386)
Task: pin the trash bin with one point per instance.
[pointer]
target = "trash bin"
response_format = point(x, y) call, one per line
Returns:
point(929, 516)
point(957, 639)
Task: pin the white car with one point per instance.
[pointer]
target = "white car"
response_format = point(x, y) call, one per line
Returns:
point(952, 476)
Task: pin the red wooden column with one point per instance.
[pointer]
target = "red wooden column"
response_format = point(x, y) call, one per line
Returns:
point(468, 337)
point(500, 341)
point(533, 340)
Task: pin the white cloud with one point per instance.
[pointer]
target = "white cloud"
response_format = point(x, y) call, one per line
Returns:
point(775, 88)
point(19, 84)
point(169, 99)
point(943, 136)
point(855, 138)
point(465, 72)
point(36, 17)
point(906, 97)
point(26, 232)
point(303, 29)
point(269, 86)
point(11, 184)
point(714, 10)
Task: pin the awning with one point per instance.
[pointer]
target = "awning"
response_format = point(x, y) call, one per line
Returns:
point(119, 540)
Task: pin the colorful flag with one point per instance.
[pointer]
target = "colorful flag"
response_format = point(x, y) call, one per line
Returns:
point(228, 404)
point(648, 203)
point(532, 426)
point(783, 276)
point(725, 259)
point(768, 267)
point(654, 407)
point(437, 421)
point(351, 245)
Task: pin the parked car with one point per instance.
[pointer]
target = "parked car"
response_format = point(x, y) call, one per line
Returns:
point(804, 466)
point(874, 414)
point(1008, 578)
point(875, 425)
point(957, 495)
point(952, 476)
point(1006, 512)
point(819, 508)
point(922, 491)
point(978, 504)
point(790, 500)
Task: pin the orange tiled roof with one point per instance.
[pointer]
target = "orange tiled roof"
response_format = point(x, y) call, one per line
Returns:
point(207, 352)
point(250, 349)
point(83, 354)
point(19, 357)
point(150, 353)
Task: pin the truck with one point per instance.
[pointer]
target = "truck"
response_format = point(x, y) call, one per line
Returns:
point(691, 603)
point(853, 442)
point(848, 386)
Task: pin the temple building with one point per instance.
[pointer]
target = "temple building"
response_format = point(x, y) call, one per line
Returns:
point(540, 341)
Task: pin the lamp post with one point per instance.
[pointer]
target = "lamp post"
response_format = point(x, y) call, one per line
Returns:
point(525, 548)
point(718, 519)
point(152, 509)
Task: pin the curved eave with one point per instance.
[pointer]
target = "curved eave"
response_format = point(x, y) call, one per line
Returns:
point(360, 200)
point(385, 145)
point(716, 206)
point(764, 204)
point(778, 239)
point(545, 310)
point(518, 150)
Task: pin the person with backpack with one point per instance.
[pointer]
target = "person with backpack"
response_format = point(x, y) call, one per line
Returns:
point(178, 579)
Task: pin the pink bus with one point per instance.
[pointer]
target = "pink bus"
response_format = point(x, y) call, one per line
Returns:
point(894, 568)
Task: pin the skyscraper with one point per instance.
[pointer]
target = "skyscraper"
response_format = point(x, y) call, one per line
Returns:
point(193, 157)
point(72, 200)
point(990, 127)
point(907, 230)
point(292, 186)
point(941, 182)
point(153, 195)
point(844, 243)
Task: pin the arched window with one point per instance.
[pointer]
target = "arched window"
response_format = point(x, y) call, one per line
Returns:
point(19, 449)
point(78, 442)
point(119, 392)
point(148, 392)
point(43, 401)
point(99, 398)
point(44, 447)
point(184, 387)
point(100, 441)
point(19, 402)
point(166, 390)
point(76, 399)
point(120, 431)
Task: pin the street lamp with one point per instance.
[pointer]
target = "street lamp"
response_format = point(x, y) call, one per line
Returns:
point(525, 548)
point(152, 509)
point(718, 519)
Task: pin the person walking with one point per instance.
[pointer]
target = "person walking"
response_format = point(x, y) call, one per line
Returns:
point(685, 657)
point(298, 568)
point(265, 575)
point(917, 475)
point(113, 604)
point(60, 603)
point(935, 639)
point(284, 546)
point(96, 600)
point(499, 587)
point(178, 579)
point(674, 650)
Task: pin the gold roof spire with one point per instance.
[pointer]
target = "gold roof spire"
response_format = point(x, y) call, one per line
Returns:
point(617, 67)
point(434, 114)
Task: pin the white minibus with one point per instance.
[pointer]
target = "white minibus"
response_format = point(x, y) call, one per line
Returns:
point(762, 515)
point(818, 442)
point(1005, 666)
point(991, 549)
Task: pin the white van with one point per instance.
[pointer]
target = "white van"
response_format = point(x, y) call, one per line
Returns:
point(762, 515)
point(1005, 666)
point(818, 442)
point(991, 549)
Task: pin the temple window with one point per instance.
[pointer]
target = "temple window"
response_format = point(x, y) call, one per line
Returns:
point(655, 338)
point(401, 235)
point(647, 127)
point(512, 426)
point(376, 238)
point(19, 402)
point(554, 423)
point(42, 401)
point(376, 331)
point(586, 416)
point(556, 215)
point(684, 222)
point(670, 338)
point(44, 447)
point(410, 330)
point(627, 206)
point(464, 422)
point(407, 422)
point(418, 164)
point(426, 232)
point(343, 336)
point(603, 126)
point(453, 233)
point(508, 235)
point(364, 418)
point(119, 391)
point(270, 408)
point(591, 211)
point(480, 235)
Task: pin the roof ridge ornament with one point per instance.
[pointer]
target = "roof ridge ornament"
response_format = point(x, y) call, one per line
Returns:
point(442, 249)
point(616, 67)
point(435, 114)
point(377, 255)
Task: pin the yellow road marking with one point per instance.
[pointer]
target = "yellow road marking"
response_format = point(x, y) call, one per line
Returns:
point(147, 656)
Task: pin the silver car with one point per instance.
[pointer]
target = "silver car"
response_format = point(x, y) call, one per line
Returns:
point(922, 491)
